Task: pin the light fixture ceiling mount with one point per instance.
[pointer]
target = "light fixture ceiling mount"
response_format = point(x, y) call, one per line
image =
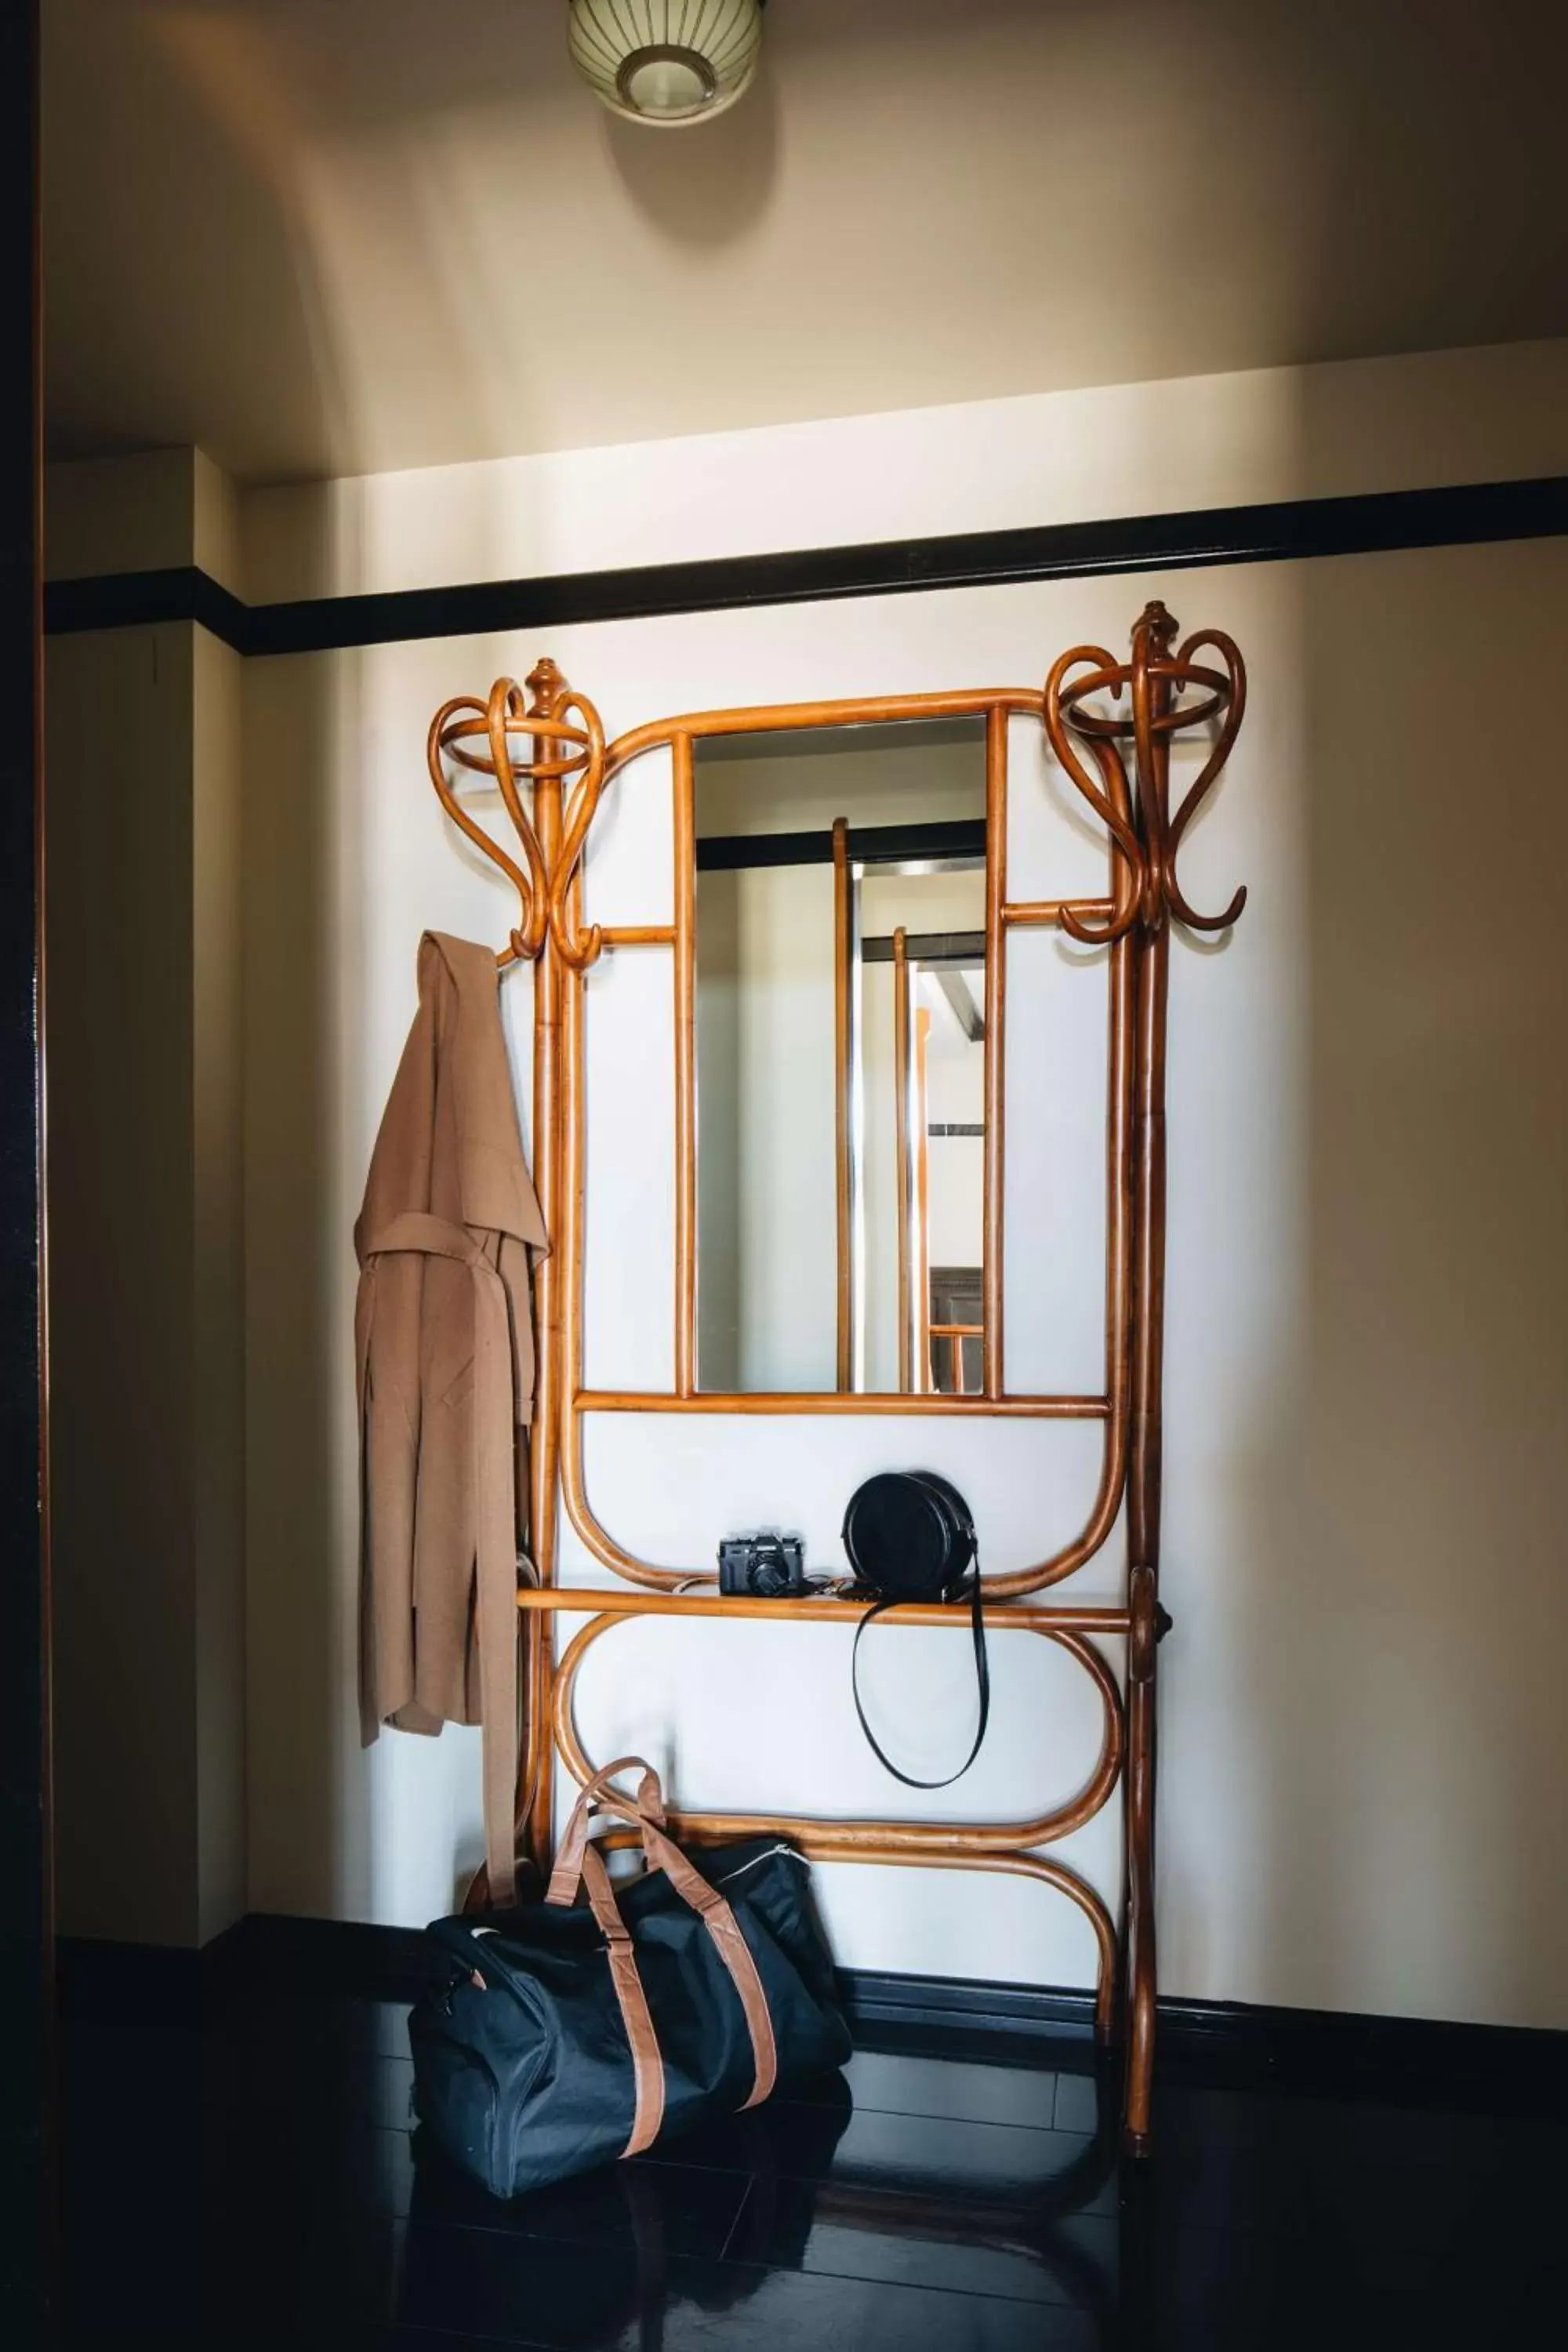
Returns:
point(667, 62)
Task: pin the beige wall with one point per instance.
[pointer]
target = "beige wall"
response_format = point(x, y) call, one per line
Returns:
point(118, 757)
point(217, 1242)
point(1388, 1745)
point(931, 903)
point(145, 1289)
point(1163, 446)
point(765, 979)
point(720, 1136)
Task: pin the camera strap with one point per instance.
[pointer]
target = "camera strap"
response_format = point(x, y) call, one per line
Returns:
point(982, 1685)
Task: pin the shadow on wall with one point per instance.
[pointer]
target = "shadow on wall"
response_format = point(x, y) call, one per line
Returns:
point(294, 254)
point(740, 161)
point(171, 95)
point(390, 1834)
point(1394, 1631)
point(301, 1644)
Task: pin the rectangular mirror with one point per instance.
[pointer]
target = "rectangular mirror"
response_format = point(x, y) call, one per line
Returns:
point(840, 1057)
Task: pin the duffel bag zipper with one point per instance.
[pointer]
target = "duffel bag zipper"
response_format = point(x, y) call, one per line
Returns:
point(766, 1856)
point(480, 1983)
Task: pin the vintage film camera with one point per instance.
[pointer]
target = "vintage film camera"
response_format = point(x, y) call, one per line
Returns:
point(764, 1566)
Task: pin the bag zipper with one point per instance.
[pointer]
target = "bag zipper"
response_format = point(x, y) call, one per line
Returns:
point(766, 1856)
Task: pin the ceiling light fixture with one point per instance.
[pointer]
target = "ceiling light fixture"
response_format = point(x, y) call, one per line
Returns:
point(667, 62)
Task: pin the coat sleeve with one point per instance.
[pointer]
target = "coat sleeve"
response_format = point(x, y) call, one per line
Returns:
point(386, 1362)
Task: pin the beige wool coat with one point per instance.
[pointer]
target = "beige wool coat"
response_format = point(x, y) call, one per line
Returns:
point(444, 1345)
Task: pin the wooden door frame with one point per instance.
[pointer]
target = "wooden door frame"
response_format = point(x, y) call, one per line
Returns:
point(27, 2002)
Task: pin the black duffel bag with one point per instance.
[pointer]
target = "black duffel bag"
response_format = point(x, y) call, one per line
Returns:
point(571, 2033)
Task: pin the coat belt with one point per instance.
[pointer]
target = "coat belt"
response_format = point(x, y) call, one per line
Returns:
point(494, 1422)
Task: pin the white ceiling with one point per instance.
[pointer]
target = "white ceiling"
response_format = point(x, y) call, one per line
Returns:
point(324, 237)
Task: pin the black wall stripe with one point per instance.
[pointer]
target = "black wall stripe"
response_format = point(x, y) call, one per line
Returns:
point(1379, 522)
point(869, 844)
point(125, 600)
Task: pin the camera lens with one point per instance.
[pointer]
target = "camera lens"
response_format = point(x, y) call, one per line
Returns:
point(770, 1577)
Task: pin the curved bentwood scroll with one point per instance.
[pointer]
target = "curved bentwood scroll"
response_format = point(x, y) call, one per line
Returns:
point(1094, 710)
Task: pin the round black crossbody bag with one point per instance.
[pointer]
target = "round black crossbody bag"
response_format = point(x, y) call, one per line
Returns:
point(911, 1536)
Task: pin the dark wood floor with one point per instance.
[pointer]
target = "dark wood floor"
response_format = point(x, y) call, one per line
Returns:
point(242, 2169)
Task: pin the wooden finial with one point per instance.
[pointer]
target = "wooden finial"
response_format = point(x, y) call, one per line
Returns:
point(546, 685)
point(1158, 626)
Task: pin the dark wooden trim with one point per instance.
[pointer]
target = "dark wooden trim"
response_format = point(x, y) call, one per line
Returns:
point(29, 2156)
point(1372, 523)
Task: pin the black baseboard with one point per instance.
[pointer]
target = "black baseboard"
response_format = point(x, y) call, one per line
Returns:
point(879, 2001)
point(1413, 2061)
point(330, 1956)
point(1231, 2044)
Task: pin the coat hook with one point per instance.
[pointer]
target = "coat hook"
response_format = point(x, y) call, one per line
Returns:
point(566, 743)
point(1146, 836)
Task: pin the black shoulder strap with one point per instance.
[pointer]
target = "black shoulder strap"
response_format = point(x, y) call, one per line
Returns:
point(982, 1685)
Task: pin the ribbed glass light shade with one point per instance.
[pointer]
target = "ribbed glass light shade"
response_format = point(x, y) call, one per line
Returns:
point(666, 61)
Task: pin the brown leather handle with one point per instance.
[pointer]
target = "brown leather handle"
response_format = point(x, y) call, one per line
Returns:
point(734, 1951)
point(648, 2066)
point(646, 1814)
point(578, 1861)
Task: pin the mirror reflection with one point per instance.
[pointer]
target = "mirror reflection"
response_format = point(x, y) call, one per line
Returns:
point(840, 1012)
